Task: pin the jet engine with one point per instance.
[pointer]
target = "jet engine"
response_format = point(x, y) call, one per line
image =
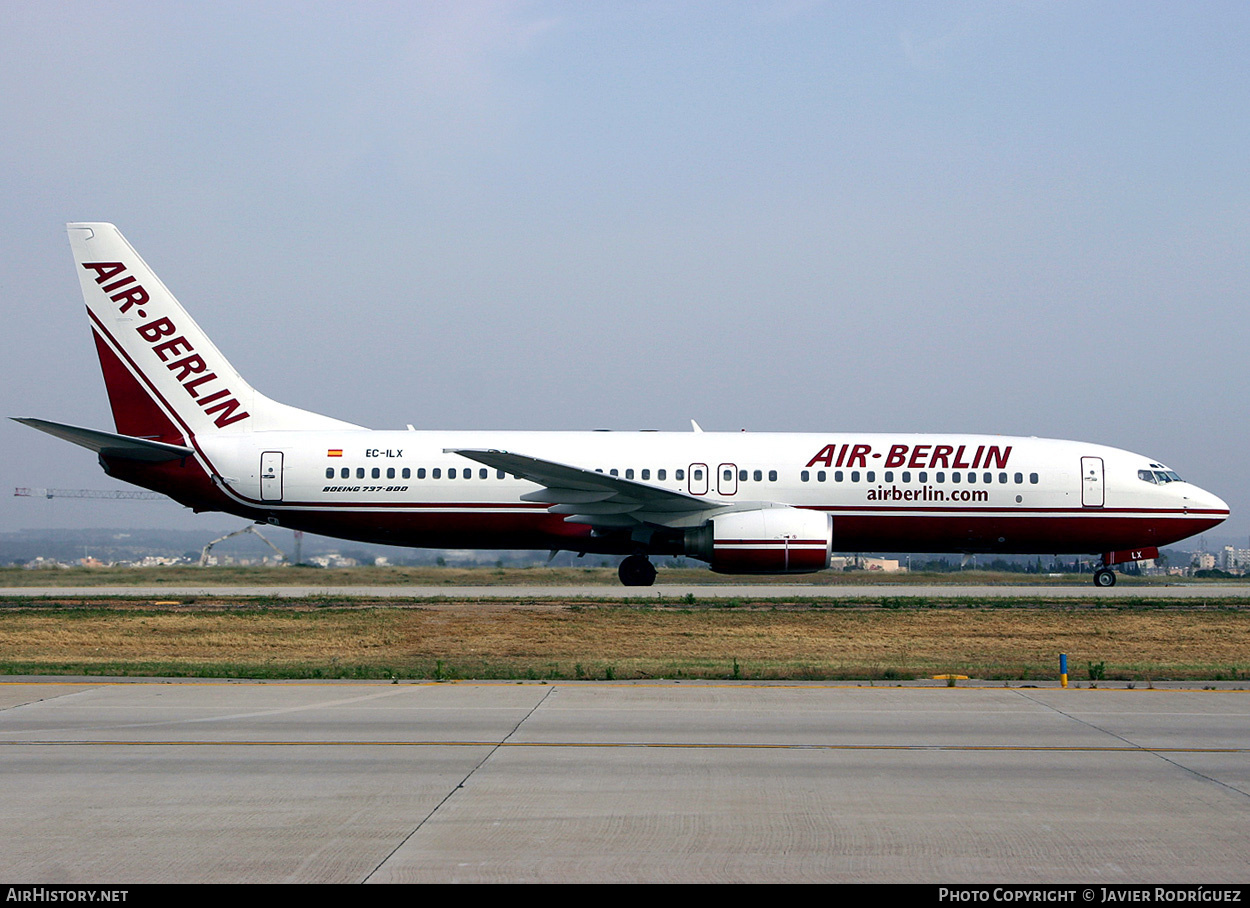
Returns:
point(765, 541)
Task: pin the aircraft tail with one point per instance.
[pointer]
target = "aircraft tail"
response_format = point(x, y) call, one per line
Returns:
point(165, 379)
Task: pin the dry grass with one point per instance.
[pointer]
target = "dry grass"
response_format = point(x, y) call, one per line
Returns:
point(608, 640)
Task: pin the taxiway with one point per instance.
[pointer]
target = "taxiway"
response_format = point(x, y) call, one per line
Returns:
point(151, 781)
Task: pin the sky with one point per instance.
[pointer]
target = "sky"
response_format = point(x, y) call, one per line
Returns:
point(1026, 218)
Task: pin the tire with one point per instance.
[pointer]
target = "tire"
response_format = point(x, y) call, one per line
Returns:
point(1104, 577)
point(636, 570)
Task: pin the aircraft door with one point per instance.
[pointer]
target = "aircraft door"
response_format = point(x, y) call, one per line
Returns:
point(696, 479)
point(271, 476)
point(1092, 494)
point(727, 479)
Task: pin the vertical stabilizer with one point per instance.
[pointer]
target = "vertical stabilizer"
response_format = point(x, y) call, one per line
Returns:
point(166, 380)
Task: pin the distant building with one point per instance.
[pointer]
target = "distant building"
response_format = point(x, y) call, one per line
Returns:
point(865, 563)
point(332, 560)
point(1235, 560)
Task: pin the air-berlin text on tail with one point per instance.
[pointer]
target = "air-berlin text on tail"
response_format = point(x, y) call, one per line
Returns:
point(176, 351)
point(916, 457)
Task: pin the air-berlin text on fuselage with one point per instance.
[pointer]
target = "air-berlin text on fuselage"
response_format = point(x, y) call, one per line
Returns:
point(188, 367)
point(915, 457)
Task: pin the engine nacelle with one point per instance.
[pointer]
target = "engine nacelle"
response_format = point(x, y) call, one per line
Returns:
point(765, 541)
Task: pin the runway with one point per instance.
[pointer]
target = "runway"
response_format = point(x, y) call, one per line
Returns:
point(157, 781)
point(703, 591)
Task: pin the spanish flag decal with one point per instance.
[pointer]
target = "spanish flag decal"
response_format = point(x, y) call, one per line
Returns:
point(334, 452)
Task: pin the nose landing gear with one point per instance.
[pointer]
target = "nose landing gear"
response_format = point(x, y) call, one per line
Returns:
point(1104, 577)
point(636, 570)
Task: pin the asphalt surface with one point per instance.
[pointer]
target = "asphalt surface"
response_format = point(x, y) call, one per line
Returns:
point(156, 781)
point(762, 591)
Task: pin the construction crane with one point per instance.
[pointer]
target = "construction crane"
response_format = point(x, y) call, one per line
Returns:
point(117, 494)
point(247, 529)
point(135, 495)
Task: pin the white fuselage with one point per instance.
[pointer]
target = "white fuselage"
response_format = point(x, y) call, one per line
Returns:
point(893, 492)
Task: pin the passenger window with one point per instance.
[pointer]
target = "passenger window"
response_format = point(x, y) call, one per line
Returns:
point(871, 476)
point(728, 475)
point(482, 474)
point(614, 472)
point(855, 476)
point(922, 476)
point(988, 478)
point(742, 476)
point(954, 477)
point(772, 475)
point(420, 472)
point(889, 475)
point(907, 476)
point(759, 475)
point(360, 472)
point(1033, 478)
point(499, 474)
point(329, 472)
point(451, 472)
point(939, 477)
point(390, 472)
point(646, 474)
point(1019, 478)
point(436, 473)
point(345, 472)
point(1002, 477)
point(407, 473)
point(662, 474)
point(680, 474)
point(804, 476)
point(629, 473)
point(697, 475)
point(820, 475)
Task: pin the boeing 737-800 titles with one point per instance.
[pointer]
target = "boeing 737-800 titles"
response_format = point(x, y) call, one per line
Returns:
point(189, 426)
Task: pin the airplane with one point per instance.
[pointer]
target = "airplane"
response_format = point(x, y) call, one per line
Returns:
point(189, 426)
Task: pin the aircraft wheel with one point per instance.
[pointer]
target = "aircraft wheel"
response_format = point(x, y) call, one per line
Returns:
point(637, 570)
point(1104, 577)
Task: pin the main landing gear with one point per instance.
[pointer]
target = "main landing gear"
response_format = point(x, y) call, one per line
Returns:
point(637, 570)
point(1104, 577)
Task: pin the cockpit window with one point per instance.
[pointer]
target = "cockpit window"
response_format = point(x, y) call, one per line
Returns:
point(1146, 476)
point(1159, 476)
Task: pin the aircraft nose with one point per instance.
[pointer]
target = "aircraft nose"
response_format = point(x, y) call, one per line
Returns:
point(1197, 499)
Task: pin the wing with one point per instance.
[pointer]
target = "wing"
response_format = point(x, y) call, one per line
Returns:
point(594, 498)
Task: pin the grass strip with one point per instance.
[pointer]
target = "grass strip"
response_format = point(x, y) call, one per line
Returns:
point(596, 640)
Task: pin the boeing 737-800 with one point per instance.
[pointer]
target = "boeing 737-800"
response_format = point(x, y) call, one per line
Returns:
point(189, 426)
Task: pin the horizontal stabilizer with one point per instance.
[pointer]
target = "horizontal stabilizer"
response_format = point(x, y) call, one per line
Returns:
point(126, 447)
